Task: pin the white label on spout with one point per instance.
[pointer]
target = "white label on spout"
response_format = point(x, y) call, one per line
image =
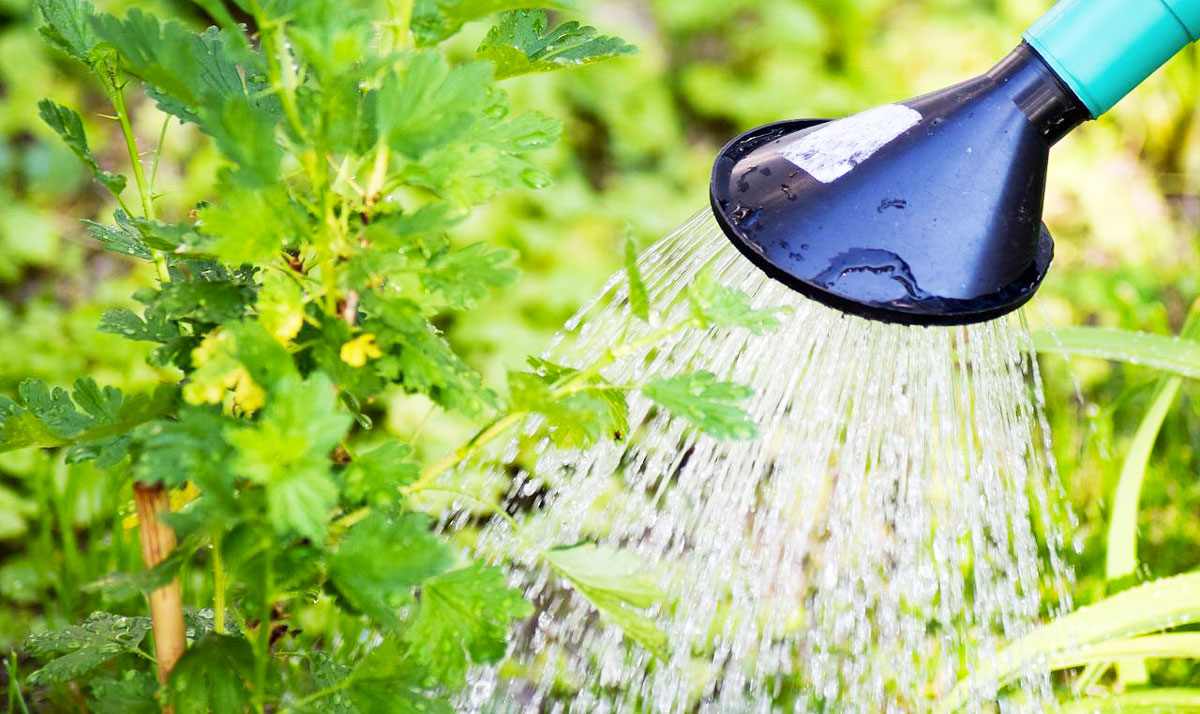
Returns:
point(833, 150)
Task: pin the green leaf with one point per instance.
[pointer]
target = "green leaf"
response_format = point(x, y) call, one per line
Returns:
point(522, 43)
point(288, 449)
point(1171, 354)
point(715, 305)
point(590, 413)
point(1165, 603)
point(435, 20)
point(418, 357)
point(451, 126)
point(197, 77)
point(639, 302)
point(68, 27)
point(1160, 700)
point(463, 619)
point(388, 681)
point(123, 238)
point(154, 327)
point(432, 104)
point(132, 693)
point(252, 226)
point(68, 125)
point(82, 648)
point(1178, 645)
point(382, 559)
point(204, 292)
point(214, 675)
point(1121, 551)
point(464, 277)
point(45, 419)
point(186, 69)
point(375, 477)
point(706, 403)
point(616, 583)
point(188, 448)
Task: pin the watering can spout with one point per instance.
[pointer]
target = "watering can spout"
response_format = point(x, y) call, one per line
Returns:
point(929, 211)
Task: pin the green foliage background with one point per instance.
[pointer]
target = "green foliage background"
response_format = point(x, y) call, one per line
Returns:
point(640, 134)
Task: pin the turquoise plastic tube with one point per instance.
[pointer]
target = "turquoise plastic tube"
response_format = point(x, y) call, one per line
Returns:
point(1102, 49)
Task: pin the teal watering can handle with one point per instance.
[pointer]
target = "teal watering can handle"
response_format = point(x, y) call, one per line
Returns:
point(1102, 49)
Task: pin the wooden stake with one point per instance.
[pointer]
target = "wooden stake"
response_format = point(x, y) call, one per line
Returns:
point(166, 603)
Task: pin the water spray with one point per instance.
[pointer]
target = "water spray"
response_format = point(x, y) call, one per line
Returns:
point(898, 518)
point(929, 211)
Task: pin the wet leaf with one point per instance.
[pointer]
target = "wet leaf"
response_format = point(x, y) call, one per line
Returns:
point(522, 43)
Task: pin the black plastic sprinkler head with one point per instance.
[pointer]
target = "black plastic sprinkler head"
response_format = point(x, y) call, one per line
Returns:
point(929, 211)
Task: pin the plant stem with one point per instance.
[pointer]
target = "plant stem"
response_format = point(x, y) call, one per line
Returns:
point(219, 578)
point(566, 387)
point(464, 452)
point(280, 71)
point(139, 174)
point(472, 497)
point(401, 11)
point(166, 603)
point(264, 634)
point(319, 694)
point(162, 137)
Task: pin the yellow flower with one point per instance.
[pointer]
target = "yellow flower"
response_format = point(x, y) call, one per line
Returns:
point(218, 372)
point(178, 498)
point(356, 352)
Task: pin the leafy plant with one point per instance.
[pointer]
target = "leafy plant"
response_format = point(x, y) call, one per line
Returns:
point(286, 306)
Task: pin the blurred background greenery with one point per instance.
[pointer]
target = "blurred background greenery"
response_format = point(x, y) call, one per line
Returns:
point(640, 134)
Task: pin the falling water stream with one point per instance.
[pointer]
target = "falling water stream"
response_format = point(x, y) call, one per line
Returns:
point(878, 537)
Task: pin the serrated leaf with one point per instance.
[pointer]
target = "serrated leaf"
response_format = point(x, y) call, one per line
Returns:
point(376, 476)
point(185, 68)
point(123, 238)
point(710, 405)
point(615, 582)
point(522, 43)
point(280, 305)
point(67, 124)
point(435, 20)
point(287, 450)
point(46, 418)
point(188, 448)
point(588, 414)
point(214, 675)
point(389, 681)
point(197, 77)
point(82, 648)
point(715, 305)
point(68, 27)
point(252, 226)
point(154, 327)
point(639, 301)
point(132, 693)
point(382, 559)
point(417, 356)
point(463, 620)
point(464, 277)
point(432, 103)
point(212, 297)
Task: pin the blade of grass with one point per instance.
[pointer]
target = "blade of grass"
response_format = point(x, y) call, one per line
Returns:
point(1169, 602)
point(15, 696)
point(1179, 645)
point(1158, 701)
point(1121, 561)
point(1171, 354)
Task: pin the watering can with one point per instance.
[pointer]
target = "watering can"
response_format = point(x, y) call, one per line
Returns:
point(929, 211)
